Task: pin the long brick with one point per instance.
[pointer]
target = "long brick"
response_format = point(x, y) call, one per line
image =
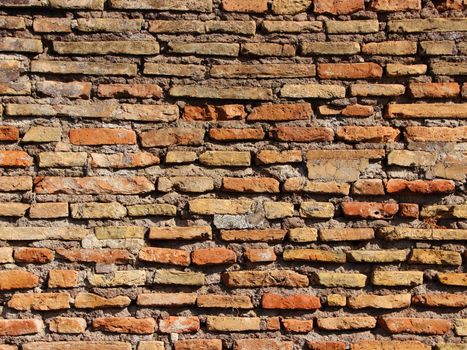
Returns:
point(78, 345)
point(264, 70)
point(427, 110)
point(349, 71)
point(171, 5)
point(336, 7)
point(18, 327)
point(389, 345)
point(121, 47)
point(415, 325)
point(290, 302)
point(271, 278)
point(232, 93)
point(102, 136)
point(91, 68)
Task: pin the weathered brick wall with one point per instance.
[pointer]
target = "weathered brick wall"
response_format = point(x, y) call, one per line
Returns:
point(233, 174)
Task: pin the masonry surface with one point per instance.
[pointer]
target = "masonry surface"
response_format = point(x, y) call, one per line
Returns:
point(233, 174)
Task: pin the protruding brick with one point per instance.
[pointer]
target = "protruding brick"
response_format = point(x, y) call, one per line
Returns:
point(33, 255)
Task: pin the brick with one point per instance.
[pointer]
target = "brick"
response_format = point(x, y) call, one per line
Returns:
point(374, 256)
point(460, 327)
point(352, 26)
point(267, 49)
point(440, 300)
point(165, 256)
point(325, 345)
point(224, 301)
point(268, 235)
point(374, 134)
point(260, 255)
point(397, 278)
point(232, 324)
point(42, 134)
point(313, 91)
point(330, 48)
point(67, 325)
point(63, 279)
point(245, 6)
point(177, 157)
point(281, 112)
point(453, 279)
point(125, 325)
point(12, 22)
point(336, 300)
point(292, 27)
point(92, 210)
point(427, 25)
point(255, 185)
point(180, 233)
point(33, 255)
point(120, 232)
point(70, 233)
point(13, 209)
point(263, 70)
point(437, 48)
point(318, 210)
point(415, 325)
point(118, 278)
point(273, 324)
point(103, 256)
point(400, 233)
point(450, 346)
point(435, 257)
point(297, 326)
point(102, 136)
point(39, 301)
point(390, 48)
point(130, 90)
point(346, 323)
point(225, 158)
point(395, 5)
point(419, 186)
point(161, 209)
point(316, 255)
point(262, 344)
point(93, 301)
point(434, 90)
point(118, 25)
point(370, 210)
point(297, 184)
point(15, 159)
point(6, 255)
point(303, 234)
point(391, 301)
point(10, 70)
point(389, 345)
point(178, 70)
point(94, 185)
point(62, 159)
point(196, 184)
point(78, 345)
point(397, 69)
point(336, 169)
point(17, 279)
point(427, 134)
point(171, 5)
point(269, 278)
point(18, 327)
point(377, 90)
point(290, 302)
point(358, 110)
point(52, 25)
point(88, 68)
point(349, 71)
point(122, 47)
point(220, 206)
point(278, 210)
point(77, 4)
point(213, 256)
point(10, 44)
point(369, 187)
point(411, 158)
point(172, 136)
point(209, 49)
point(409, 210)
point(175, 324)
point(266, 157)
point(448, 68)
point(346, 234)
point(166, 299)
point(174, 277)
point(336, 7)
point(302, 134)
point(338, 279)
point(15, 88)
point(9, 133)
point(205, 344)
point(232, 93)
point(209, 112)
point(227, 134)
point(444, 211)
point(122, 160)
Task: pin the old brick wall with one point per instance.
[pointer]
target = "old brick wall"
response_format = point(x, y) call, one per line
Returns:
point(233, 174)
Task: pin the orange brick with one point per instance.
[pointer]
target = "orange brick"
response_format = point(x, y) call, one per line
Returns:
point(13, 327)
point(15, 159)
point(33, 255)
point(102, 136)
point(281, 112)
point(176, 324)
point(349, 71)
point(369, 210)
point(415, 325)
point(130, 90)
point(302, 134)
point(290, 302)
point(420, 186)
point(326, 345)
point(257, 6)
point(165, 256)
point(260, 255)
point(227, 134)
point(374, 134)
point(213, 256)
point(337, 7)
point(209, 112)
point(17, 279)
point(130, 325)
point(250, 184)
point(297, 326)
point(9, 133)
point(63, 278)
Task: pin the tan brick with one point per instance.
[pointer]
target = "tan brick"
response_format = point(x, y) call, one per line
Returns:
point(371, 187)
point(367, 70)
point(390, 48)
point(90, 68)
point(435, 257)
point(292, 26)
point(39, 301)
point(326, 345)
point(267, 235)
point(63, 279)
point(232, 324)
point(62, 159)
point(12, 22)
point(265, 157)
point(122, 160)
point(316, 255)
point(171, 69)
point(338, 279)
point(397, 69)
point(177, 157)
point(93, 301)
point(209, 49)
point(245, 6)
point(15, 88)
point(437, 48)
point(67, 325)
point(377, 90)
point(460, 327)
point(205, 344)
point(196, 184)
point(374, 256)
point(170, 5)
point(130, 325)
point(411, 158)
point(225, 158)
point(428, 25)
point(391, 301)
point(263, 70)
point(268, 278)
point(33, 233)
point(432, 133)
point(336, 7)
point(118, 278)
point(434, 90)
point(172, 136)
point(440, 300)
point(78, 345)
point(346, 323)
point(313, 91)
point(77, 4)
point(278, 210)
point(415, 325)
point(231, 93)
point(338, 300)
point(120, 232)
point(6, 255)
point(17, 279)
point(17, 327)
point(302, 134)
point(330, 48)
point(317, 210)
point(352, 26)
point(166, 299)
point(453, 279)
point(52, 25)
point(10, 44)
point(448, 68)
point(267, 49)
point(389, 345)
point(118, 25)
point(224, 301)
point(112, 210)
point(252, 184)
point(122, 47)
point(174, 277)
point(262, 344)
point(281, 112)
point(180, 233)
point(157, 209)
point(13, 209)
point(397, 278)
point(346, 234)
point(396, 5)
point(303, 234)
point(103, 256)
point(59, 89)
point(401, 233)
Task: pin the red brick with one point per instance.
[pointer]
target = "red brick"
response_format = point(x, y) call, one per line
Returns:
point(349, 70)
point(102, 136)
point(176, 324)
point(9, 133)
point(209, 112)
point(252, 184)
point(15, 159)
point(182, 136)
point(165, 256)
point(416, 325)
point(337, 7)
point(358, 110)
point(434, 90)
point(273, 324)
point(200, 344)
point(420, 186)
point(125, 325)
point(370, 210)
point(260, 255)
point(257, 6)
point(15, 327)
point(290, 302)
point(302, 134)
point(228, 134)
point(130, 90)
point(102, 256)
point(409, 210)
point(297, 326)
point(34, 255)
point(312, 345)
point(17, 279)
point(213, 256)
point(374, 134)
point(281, 112)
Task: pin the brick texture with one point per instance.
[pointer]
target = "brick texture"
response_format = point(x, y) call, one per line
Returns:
point(233, 174)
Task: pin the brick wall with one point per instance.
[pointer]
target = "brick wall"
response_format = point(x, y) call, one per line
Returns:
point(233, 174)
